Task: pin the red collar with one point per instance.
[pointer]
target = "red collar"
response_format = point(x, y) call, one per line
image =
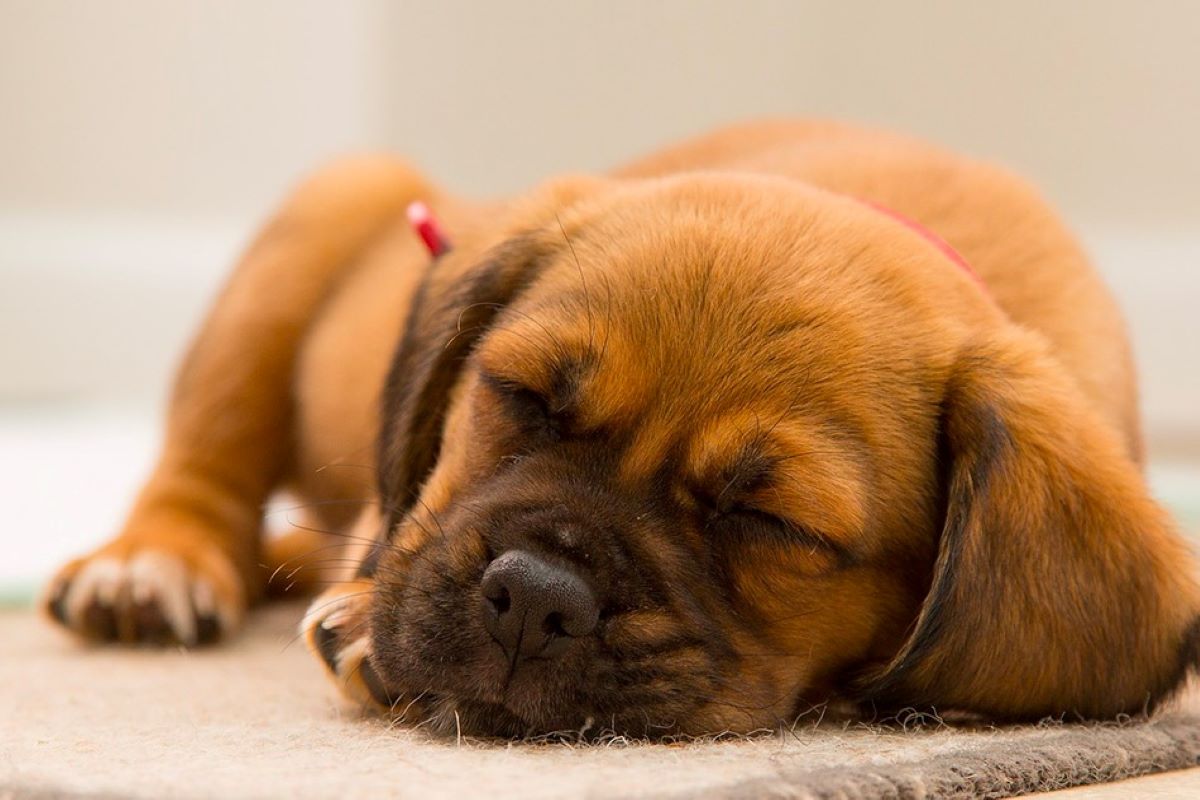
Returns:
point(941, 244)
point(428, 228)
point(435, 239)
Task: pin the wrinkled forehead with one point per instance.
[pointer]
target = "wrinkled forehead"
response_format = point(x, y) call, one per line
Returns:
point(686, 362)
point(683, 325)
point(692, 297)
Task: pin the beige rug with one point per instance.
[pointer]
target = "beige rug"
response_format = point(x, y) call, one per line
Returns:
point(257, 719)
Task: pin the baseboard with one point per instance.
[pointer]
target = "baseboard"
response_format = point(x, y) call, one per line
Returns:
point(98, 309)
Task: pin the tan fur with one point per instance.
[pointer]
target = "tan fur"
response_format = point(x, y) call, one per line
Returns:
point(282, 385)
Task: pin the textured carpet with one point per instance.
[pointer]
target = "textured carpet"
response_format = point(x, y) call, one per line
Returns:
point(256, 719)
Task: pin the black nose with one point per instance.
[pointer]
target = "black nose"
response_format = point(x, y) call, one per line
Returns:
point(534, 608)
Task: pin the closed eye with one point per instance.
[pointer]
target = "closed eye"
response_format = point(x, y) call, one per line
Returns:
point(757, 525)
point(532, 411)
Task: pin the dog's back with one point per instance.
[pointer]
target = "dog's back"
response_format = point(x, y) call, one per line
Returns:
point(1031, 264)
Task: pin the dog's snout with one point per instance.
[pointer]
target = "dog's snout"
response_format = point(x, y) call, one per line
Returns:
point(534, 608)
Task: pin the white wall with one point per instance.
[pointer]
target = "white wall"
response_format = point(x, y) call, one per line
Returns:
point(140, 140)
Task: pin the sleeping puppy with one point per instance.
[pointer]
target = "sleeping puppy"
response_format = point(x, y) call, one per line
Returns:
point(787, 413)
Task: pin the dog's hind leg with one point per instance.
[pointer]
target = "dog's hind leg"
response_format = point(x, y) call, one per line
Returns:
point(187, 562)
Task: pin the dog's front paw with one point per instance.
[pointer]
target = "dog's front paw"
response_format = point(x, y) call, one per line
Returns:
point(337, 631)
point(138, 594)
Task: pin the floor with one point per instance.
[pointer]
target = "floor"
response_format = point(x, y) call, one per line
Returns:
point(1181, 785)
point(257, 719)
point(67, 474)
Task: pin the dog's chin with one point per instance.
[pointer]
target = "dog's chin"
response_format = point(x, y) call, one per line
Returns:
point(448, 716)
point(465, 698)
point(519, 711)
point(452, 715)
point(527, 705)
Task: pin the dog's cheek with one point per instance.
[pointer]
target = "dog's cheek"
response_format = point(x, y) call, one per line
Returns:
point(471, 447)
point(816, 621)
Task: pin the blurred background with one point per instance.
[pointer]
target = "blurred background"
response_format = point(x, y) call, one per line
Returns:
point(142, 141)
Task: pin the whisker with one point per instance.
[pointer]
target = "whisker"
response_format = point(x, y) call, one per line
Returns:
point(587, 295)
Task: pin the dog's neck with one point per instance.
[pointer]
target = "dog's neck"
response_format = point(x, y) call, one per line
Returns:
point(434, 237)
point(941, 244)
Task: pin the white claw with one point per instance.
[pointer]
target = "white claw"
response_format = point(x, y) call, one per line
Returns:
point(208, 604)
point(149, 576)
point(352, 654)
point(99, 578)
point(204, 598)
point(165, 578)
point(327, 613)
point(337, 618)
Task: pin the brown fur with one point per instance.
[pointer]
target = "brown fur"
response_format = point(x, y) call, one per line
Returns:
point(798, 450)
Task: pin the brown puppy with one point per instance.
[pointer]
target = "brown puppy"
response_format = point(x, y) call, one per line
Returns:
point(681, 449)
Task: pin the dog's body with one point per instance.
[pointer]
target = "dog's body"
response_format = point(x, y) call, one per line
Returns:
point(1032, 267)
point(914, 382)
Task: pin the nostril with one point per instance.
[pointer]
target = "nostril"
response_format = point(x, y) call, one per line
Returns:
point(552, 625)
point(532, 607)
point(501, 600)
point(579, 616)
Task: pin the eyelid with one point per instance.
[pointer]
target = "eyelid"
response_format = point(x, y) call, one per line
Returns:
point(501, 384)
point(529, 405)
point(513, 388)
point(800, 533)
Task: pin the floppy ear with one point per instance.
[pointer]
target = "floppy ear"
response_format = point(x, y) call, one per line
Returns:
point(1060, 586)
point(454, 306)
point(450, 313)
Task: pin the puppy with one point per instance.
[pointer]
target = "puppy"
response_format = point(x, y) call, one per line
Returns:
point(787, 413)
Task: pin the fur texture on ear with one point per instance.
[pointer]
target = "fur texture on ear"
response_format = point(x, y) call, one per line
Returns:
point(444, 326)
point(458, 299)
point(1060, 586)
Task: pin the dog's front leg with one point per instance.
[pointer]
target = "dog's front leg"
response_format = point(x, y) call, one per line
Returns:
point(186, 564)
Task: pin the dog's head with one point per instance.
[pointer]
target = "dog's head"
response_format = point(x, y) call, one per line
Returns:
point(687, 455)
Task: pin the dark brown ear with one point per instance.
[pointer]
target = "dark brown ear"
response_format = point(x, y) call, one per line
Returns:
point(459, 297)
point(1060, 586)
point(451, 311)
